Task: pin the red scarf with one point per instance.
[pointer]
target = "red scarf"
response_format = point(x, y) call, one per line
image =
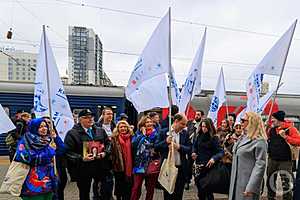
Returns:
point(125, 142)
point(149, 132)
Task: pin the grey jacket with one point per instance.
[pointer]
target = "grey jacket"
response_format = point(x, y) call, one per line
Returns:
point(248, 168)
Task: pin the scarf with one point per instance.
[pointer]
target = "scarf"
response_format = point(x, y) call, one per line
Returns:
point(150, 133)
point(33, 140)
point(125, 142)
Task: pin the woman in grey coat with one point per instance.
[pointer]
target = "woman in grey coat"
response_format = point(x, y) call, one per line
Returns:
point(249, 160)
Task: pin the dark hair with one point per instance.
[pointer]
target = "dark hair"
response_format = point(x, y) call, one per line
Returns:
point(152, 114)
point(209, 127)
point(231, 115)
point(174, 110)
point(105, 109)
point(178, 117)
point(201, 111)
point(212, 126)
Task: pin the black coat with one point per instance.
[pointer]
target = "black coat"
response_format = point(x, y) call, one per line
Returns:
point(184, 151)
point(207, 147)
point(74, 153)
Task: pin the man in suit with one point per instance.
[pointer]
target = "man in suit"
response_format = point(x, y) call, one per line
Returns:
point(84, 167)
point(192, 129)
point(179, 138)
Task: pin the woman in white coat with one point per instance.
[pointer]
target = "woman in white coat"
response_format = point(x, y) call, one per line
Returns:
point(249, 160)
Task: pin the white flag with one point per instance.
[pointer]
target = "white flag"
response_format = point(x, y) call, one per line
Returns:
point(192, 85)
point(274, 60)
point(153, 93)
point(61, 112)
point(154, 59)
point(218, 98)
point(263, 101)
point(240, 116)
point(175, 93)
point(5, 123)
point(253, 89)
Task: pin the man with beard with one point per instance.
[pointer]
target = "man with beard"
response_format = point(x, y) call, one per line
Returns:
point(282, 137)
point(192, 129)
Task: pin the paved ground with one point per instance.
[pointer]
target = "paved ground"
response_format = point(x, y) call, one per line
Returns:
point(71, 192)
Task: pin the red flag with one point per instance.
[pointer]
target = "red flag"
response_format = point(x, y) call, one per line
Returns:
point(269, 105)
point(164, 113)
point(190, 112)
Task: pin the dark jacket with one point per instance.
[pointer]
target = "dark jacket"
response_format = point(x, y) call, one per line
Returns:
point(185, 148)
point(278, 148)
point(192, 130)
point(207, 147)
point(74, 152)
point(15, 135)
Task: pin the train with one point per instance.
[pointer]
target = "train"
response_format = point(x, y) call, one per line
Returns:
point(19, 96)
point(16, 96)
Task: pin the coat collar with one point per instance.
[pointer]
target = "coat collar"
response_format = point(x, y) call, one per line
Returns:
point(244, 140)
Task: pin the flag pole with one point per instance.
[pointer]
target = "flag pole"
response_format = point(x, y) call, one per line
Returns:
point(226, 103)
point(281, 73)
point(194, 82)
point(49, 95)
point(169, 75)
point(47, 76)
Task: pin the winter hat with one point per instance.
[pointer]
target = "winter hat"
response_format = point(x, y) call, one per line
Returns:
point(279, 115)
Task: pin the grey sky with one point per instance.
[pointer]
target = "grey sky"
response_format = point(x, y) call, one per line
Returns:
point(129, 33)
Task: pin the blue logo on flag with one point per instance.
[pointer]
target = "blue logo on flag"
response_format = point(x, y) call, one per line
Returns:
point(214, 104)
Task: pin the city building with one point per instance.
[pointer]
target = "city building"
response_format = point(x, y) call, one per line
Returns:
point(17, 66)
point(85, 58)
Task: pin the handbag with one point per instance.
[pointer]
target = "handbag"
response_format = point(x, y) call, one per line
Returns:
point(217, 179)
point(14, 178)
point(153, 167)
point(168, 172)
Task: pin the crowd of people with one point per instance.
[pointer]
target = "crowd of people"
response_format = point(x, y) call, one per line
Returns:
point(114, 160)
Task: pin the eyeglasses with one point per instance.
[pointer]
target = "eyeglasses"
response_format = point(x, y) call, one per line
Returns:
point(244, 120)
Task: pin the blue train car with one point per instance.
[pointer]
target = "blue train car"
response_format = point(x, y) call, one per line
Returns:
point(16, 96)
point(19, 96)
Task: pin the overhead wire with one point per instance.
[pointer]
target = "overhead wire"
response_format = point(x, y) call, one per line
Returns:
point(142, 15)
point(155, 17)
point(236, 64)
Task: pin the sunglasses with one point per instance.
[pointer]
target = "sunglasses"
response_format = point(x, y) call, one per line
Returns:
point(244, 120)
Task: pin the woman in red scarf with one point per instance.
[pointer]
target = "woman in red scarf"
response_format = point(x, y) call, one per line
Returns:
point(146, 159)
point(122, 160)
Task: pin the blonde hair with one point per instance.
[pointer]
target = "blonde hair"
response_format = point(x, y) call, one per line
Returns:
point(116, 132)
point(255, 128)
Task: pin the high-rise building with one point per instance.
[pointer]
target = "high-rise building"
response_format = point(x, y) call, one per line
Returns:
point(17, 66)
point(85, 57)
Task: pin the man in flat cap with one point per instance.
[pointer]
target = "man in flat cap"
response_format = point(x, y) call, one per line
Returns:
point(86, 149)
point(282, 138)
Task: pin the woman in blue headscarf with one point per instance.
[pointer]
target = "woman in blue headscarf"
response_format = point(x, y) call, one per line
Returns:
point(37, 148)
